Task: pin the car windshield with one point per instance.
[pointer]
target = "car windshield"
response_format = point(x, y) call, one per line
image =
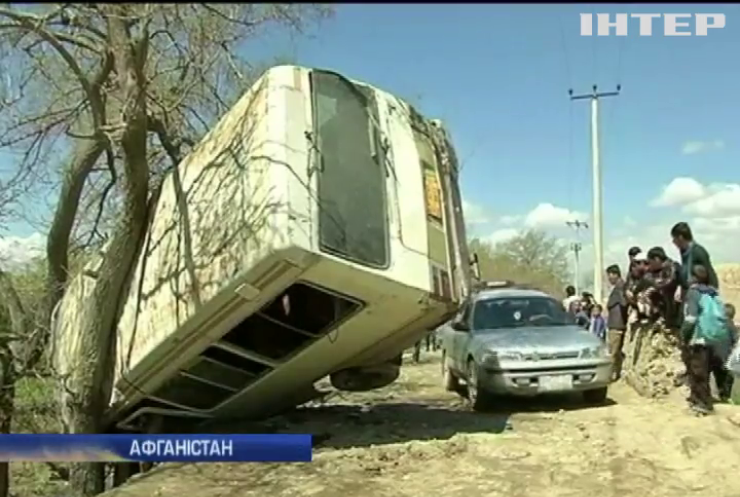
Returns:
point(517, 312)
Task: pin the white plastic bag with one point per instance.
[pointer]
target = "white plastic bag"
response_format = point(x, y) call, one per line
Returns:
point(733, 362)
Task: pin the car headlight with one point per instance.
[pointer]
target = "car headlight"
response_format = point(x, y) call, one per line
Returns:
point(501, 356)
point(599, 352)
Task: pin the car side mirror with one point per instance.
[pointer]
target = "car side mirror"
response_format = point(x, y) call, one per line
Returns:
point(475, 265)
point(460, 326)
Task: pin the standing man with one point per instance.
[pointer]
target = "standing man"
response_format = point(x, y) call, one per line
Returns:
point(570, 297)
point(692, 254)
point(638, 289)
point(616, 320)
point(631, 253)
point(663, 273)
point(416, 356)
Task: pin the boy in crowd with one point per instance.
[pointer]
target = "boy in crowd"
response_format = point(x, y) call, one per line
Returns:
point(576, 310)
point(597, 324)
point(718, 360)
point(706, 335)
point(730, 311)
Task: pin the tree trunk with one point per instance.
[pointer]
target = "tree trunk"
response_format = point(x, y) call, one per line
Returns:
point(7, 398)
point(57, 245)
point(93, 377)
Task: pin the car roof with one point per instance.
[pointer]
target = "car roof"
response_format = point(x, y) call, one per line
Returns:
point(503, 293)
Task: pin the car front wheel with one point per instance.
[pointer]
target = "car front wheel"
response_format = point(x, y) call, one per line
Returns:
point(478, 397)
point(449, 380)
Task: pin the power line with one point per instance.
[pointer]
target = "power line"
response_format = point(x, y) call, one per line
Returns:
point(569, 78)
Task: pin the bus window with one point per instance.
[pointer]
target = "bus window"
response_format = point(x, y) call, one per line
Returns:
point(351, 185)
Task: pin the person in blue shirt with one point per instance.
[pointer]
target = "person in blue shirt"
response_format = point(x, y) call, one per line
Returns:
point(719, 355)
point(597, 326)
point(581, 318)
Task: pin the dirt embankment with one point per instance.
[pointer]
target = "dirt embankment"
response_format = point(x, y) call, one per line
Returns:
point(414, 439)
point(652, 361)
point(652, 357)
point(729, 283)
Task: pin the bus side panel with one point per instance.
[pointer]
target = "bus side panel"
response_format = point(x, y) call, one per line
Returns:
point(409, 238)
point(215, 217)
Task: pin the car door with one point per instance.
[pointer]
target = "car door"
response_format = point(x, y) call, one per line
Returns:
point(448, 338)
point(460, 338)
point(464, 338)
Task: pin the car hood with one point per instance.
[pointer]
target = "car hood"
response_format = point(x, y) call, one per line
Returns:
point(538, 338)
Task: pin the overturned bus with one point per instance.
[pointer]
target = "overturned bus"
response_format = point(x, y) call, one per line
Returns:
point(316, 230)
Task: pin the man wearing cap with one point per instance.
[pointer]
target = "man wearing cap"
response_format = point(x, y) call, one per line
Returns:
point(635, 288)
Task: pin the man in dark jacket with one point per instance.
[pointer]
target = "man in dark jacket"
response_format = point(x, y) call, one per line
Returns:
point(692, 254)
point(616, 321)
point(663, 273)
point(631, 253)
point(637, 290)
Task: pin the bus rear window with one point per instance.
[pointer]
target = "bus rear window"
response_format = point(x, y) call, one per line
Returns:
point(351, 185)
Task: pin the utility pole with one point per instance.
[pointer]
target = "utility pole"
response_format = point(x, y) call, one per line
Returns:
point(576, 248)
point(594, 96)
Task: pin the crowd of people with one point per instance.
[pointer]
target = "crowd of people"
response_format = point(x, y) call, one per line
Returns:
point(586, 311)
point(680, 298)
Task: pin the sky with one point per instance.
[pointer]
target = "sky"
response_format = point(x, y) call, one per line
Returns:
point(499, 75)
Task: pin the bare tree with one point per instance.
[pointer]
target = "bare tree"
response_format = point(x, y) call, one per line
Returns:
point(20, 301)
point(531, 257)
point(9, 332)
point(16, 327)
point(122, 91)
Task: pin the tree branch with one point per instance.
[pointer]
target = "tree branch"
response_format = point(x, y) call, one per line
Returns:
point(35, 24)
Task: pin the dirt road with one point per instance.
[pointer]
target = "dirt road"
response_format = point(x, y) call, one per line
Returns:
point(414, 439)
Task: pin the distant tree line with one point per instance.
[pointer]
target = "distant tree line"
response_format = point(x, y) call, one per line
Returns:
point(532, 257)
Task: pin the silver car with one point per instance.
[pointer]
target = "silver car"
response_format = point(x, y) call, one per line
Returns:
point(521, 342)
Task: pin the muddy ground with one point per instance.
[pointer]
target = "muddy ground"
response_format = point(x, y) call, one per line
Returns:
point(414, 439)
